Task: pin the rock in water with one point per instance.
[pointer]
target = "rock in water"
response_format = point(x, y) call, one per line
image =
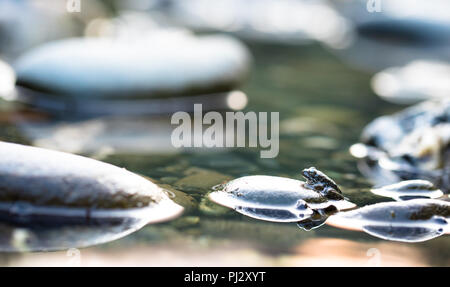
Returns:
point(281, 199)
point(412, 144)
point(148, 75)
point(408, 221)
point(409, 189)
point(94, 68)
point(46, 191)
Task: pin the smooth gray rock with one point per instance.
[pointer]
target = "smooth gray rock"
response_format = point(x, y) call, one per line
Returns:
point(46, 191)
point(279, 199)
point(163, 64)
point(407, 221)
point(411, 144)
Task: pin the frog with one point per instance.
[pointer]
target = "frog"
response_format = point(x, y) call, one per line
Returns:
point(321, 183)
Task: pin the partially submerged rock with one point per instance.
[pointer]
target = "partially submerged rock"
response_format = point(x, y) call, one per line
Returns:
point(141, 76)
point(409, 221)
point(281, 199)
point(409, 189)
point(48, 188)
point(155, 67)
point(412, 144)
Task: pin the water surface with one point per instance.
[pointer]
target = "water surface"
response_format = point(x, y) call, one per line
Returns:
point(324, 105)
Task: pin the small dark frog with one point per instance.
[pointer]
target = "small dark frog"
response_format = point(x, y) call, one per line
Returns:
point(318, 181)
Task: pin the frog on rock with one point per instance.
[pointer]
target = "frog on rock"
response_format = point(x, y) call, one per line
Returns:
point(280, 199)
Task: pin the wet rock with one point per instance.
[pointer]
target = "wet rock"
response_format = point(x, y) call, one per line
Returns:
point(99, 68)
point(409, 189)
point(412, 144)
point(86, 77)
point(408, 221)
point(281, 199)
point(414, 82)
point(53, 189)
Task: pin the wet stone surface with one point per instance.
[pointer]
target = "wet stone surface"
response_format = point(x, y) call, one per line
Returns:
point(415, 220)
point(416, 146)
point(283, 199)
point(44, 191)
point(123, 68)
point(409, 189)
